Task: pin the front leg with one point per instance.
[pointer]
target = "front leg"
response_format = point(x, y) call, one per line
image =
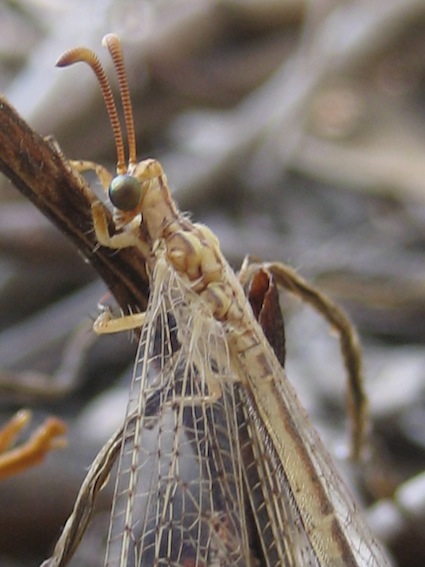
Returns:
point(101, 172)
point(129, 237)
point(105, 323)
point(121, 240)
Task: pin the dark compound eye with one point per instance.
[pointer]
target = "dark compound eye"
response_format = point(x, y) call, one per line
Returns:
point(125, 192)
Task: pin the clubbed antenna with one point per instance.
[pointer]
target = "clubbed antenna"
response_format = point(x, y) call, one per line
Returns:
point(88, 56)
point(112, 42)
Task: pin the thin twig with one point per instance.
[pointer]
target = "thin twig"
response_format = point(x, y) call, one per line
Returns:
point(39, 171)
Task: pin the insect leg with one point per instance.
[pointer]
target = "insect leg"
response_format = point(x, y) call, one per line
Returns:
point(102, 173)
point(119, 240)
point(288, 278)
point(106, 324)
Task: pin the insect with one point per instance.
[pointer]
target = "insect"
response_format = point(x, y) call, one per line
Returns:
point(219, 464)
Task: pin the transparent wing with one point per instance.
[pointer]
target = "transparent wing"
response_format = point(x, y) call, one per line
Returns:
point(327, 527)
point(179, 498)
point(280, 535)
point(198, 484)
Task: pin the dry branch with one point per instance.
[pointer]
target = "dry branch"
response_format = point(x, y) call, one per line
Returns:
point(37, 168)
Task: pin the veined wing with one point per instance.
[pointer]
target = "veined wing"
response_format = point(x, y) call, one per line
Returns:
point(279, 533)
point(198, 484)
point(335, 528)
point(179, 497)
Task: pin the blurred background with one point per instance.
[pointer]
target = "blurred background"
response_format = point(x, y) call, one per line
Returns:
point(296, 131)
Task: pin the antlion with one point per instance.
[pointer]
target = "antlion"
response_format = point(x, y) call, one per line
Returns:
point(219, 464)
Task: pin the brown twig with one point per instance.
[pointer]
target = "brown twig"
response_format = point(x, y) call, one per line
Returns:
point(39, 171)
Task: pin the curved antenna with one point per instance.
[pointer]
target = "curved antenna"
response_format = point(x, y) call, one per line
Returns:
point(88, 56)
point(112, 42)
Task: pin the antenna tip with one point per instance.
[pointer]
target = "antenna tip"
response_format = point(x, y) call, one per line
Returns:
point(63, 60)
point(110, 39)
point(74, 55)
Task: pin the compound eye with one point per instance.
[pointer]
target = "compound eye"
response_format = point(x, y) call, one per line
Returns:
point(125, 192)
